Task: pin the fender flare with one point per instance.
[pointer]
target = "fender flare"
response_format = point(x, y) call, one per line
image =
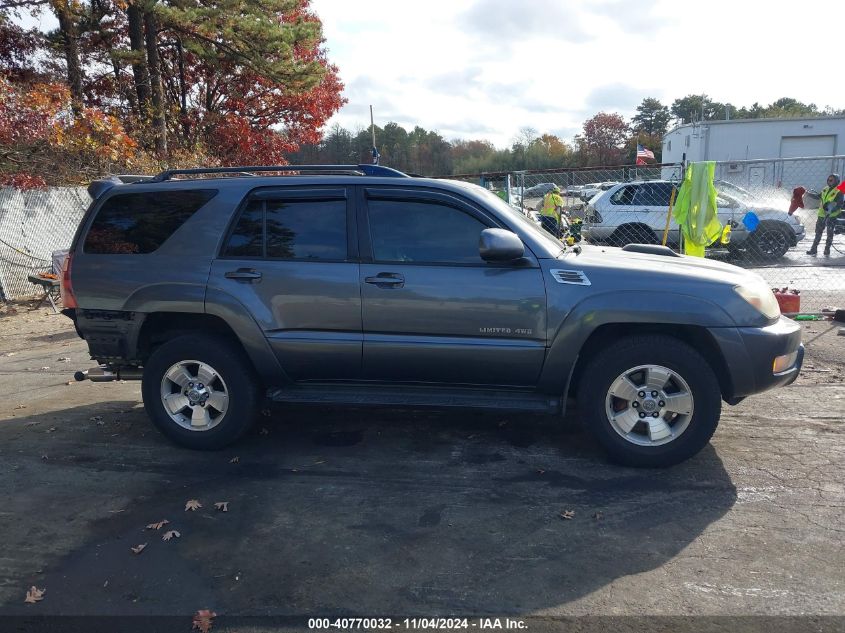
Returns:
point(619, 308)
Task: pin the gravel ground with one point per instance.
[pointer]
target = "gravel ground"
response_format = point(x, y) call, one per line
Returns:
point(374, 512)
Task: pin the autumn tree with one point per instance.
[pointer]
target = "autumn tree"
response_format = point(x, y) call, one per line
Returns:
point(603, 139)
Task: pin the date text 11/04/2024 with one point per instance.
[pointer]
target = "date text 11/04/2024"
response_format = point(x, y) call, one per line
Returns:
point(416, 623)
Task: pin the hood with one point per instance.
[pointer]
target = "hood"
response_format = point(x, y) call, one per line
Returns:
point(608, 260)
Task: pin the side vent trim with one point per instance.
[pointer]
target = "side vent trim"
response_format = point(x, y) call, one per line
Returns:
point(574, 277)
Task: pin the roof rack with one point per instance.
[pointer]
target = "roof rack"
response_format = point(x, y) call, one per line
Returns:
point(365, 170)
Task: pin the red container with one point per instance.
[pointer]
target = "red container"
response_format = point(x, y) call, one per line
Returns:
point(789, 303)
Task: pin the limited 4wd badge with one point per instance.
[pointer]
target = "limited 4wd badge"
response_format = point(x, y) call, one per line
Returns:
point(505, 330)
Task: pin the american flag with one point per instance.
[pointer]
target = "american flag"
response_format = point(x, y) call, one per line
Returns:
point(644, 152)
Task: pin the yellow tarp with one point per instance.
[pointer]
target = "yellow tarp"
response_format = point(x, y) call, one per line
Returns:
point(695, 208)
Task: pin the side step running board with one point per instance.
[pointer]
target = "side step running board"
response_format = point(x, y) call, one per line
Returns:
point(366, 395)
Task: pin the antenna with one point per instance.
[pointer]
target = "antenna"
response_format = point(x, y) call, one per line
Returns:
point(376, 155)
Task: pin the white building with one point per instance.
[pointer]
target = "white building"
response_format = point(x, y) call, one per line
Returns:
point(760, 141)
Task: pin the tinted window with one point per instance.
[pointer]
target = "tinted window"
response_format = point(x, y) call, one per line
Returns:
point(623, 196)
point(141, 222)
point(406, 231)
point(654, 194)
point(247, 238)
point(312, 229)
point(294, 229)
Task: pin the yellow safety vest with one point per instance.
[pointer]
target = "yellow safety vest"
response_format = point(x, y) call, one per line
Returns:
point(828, 195)
point(551, 201)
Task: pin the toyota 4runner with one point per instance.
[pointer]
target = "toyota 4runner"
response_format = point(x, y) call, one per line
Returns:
point(360, 285)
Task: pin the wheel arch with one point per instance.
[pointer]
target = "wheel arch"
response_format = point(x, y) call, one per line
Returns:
point(696, 336)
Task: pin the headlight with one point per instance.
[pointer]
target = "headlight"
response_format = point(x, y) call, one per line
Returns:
point(761, 297)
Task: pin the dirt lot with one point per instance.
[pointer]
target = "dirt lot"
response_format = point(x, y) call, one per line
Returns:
point(374, 512)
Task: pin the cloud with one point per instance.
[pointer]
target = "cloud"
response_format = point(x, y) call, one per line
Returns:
point(644, 17)
point(455, 81)
point(614, 97)
point(501, 21)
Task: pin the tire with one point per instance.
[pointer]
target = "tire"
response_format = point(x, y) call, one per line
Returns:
point(647, 445)
point(632, 234)
point(769, 242)
point(226, 403)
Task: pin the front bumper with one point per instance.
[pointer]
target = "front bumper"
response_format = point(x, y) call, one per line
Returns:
point(750, 352)
point(800, 232)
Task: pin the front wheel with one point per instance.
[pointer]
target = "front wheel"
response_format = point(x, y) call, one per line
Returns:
point(200, 391)
point(651, 401)
point(768, 242)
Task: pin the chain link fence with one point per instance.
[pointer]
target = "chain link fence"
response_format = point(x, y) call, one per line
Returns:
point(769, 224)
point(34, 224)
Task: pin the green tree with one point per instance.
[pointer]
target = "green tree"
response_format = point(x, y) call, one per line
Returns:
point(652, 117)
point(697, 108)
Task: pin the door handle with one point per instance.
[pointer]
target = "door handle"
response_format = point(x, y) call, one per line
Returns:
point(248, 275)
point(386, 280)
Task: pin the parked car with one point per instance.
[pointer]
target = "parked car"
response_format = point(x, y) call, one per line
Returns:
point(589, 191)
point(538, 191)
point(636, 212)
point(222, 287)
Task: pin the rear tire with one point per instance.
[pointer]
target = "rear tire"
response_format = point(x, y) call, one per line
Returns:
point(659, 436)
point(632, 234)
point(200, 391)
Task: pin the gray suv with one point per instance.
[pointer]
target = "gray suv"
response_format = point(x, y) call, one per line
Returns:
point(220, 288)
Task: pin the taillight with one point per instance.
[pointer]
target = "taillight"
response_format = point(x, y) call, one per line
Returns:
point(68, 298)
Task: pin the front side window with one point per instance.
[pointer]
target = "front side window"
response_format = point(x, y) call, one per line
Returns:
point(139, 223)
point(424, 232)
point(290, 229)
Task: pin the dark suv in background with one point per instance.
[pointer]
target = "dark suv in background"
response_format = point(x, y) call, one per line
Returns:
point(358, 284)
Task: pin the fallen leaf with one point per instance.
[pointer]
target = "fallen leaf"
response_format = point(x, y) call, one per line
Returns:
point(540, 471)
point(159, 525)
point(234, 460)
point(502, 423)
point(138, 548)
point(50, 430)
point(63, 359)
point(223, 506)
point(170, 534)
point(266, 413)
point(192, 505)
point(20, 406)
point(34, 595)
point(567, 514)
point(597, 516)
point(44, 457)
point(11, 354)
point(69, 382)
point(264, 431)
point(45, 368)
point(322, 461)
point(96, 418)
point(203, 620)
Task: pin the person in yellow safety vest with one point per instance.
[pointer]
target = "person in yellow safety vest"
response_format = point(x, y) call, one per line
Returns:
point(830, 206)
point(551, 210)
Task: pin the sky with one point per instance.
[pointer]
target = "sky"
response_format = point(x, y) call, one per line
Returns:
point(487, 68)
point(484, 69)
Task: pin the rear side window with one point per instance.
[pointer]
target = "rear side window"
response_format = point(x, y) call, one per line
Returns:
point(290, 229)
point(138, 223)
point(623, 196)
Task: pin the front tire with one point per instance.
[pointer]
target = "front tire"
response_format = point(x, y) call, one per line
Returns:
point(200, 391)
point(769, 242)
point(650, 401)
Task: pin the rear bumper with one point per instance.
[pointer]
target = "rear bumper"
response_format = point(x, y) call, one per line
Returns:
point(750, 353)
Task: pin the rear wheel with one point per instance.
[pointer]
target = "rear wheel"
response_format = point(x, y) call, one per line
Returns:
point(651, 401)
point(200, 391)
point(632, 234)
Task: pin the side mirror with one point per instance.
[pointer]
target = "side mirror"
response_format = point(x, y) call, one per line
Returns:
point(499, 245)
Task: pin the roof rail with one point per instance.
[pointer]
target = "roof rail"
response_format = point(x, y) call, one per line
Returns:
point(366, 170)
